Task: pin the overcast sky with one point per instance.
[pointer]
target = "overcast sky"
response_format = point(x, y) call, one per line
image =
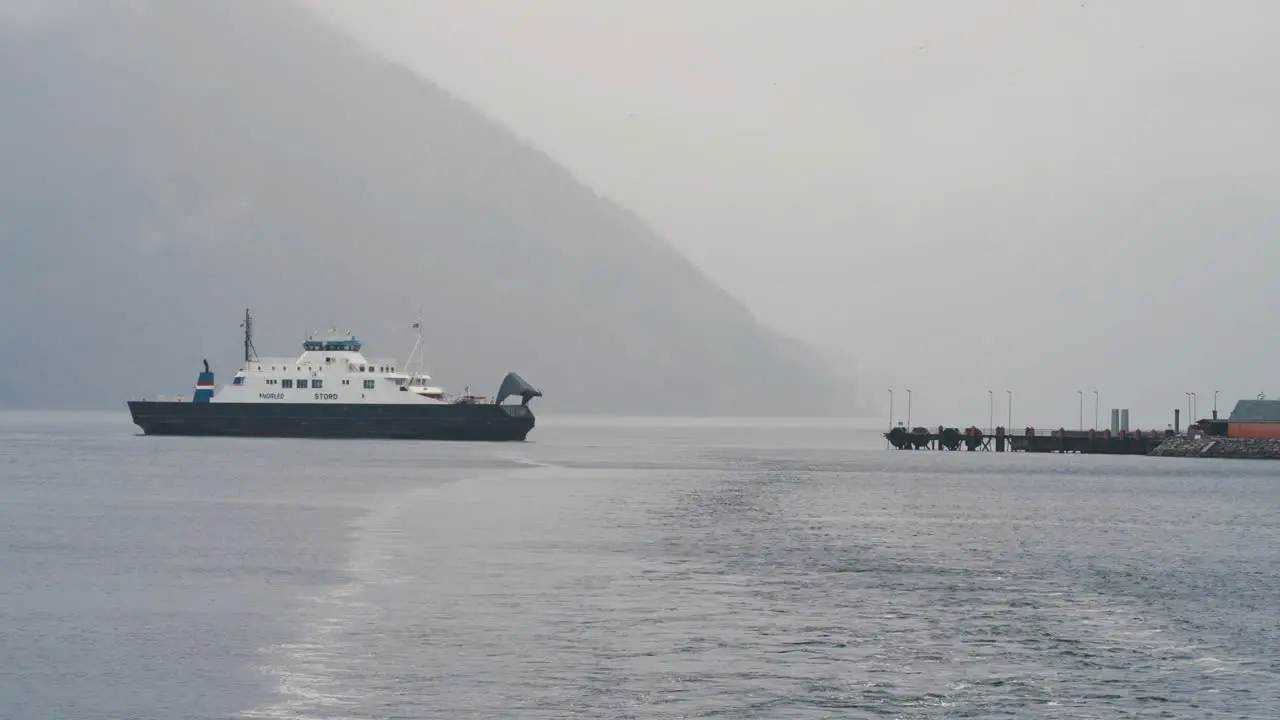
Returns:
point(961, 196)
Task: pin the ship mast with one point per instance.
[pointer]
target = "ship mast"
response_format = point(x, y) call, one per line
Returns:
point(250, 353)
point(418, 350)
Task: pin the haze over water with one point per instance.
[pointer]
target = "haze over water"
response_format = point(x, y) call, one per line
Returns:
point(617, 569)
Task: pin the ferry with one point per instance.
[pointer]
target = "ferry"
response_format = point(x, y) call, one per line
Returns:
point(332, 390)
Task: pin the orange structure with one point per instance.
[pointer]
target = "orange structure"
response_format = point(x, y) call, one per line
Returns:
point(1253, 429)
point(1250, 419)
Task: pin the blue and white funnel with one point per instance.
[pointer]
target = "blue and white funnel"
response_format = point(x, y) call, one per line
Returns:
point(204, 386)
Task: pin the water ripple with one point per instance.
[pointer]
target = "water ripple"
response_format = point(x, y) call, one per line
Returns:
point(749, 587)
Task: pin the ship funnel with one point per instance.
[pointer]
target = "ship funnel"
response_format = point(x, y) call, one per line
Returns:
point(204, 386)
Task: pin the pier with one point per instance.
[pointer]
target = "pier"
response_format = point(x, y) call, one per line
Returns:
point(1060, 440)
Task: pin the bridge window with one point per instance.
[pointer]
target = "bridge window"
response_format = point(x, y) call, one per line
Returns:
point(237, 380)
point(317, 384)
point(286, 383)
point(368, 384)
point(302, 383)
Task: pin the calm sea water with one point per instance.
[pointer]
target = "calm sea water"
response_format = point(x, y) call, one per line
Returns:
point(615, 569)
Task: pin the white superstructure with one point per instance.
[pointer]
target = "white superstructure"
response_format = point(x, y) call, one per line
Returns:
point(331, 369)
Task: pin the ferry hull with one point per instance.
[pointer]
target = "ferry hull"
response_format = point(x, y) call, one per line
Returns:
point(460, 422)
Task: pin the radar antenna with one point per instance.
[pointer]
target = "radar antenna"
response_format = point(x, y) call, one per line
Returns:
point(250, 353)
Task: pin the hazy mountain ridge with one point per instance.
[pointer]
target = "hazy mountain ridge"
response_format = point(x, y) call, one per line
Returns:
point(172, 162)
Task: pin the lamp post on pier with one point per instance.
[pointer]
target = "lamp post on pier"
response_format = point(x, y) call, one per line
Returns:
point(1194, 408)
point(1081, 394)
point(887, 441)
point(1190, 413)
point(991, 411)
point(1095, 409)
point(1009, 426)
point(1215, 404)
point(908, 409)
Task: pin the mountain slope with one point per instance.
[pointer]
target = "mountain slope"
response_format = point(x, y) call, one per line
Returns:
point(171, 162)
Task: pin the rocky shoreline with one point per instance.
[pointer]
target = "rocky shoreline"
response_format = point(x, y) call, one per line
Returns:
point(1219, 447)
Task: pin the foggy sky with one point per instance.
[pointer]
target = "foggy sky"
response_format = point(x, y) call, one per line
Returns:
point(1044, 197)
point(1041, 197)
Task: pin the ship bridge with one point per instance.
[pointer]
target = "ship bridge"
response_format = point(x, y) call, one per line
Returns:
point(332, 342)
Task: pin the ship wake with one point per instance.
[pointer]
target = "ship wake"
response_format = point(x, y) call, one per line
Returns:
point(326, 672)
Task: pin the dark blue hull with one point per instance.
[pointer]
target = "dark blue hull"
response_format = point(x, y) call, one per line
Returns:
point(473, 422)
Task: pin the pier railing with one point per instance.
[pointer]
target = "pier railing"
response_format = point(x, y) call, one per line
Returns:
point(1041, 432)
point(1027, 439)
point(1046, 432)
